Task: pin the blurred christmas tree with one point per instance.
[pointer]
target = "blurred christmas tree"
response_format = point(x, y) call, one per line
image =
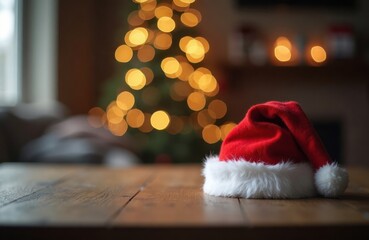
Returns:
point(164, 99)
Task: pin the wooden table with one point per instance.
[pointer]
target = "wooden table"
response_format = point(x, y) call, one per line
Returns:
point(163, 202)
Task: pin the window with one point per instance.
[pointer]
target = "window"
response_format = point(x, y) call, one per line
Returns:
point(9, 83)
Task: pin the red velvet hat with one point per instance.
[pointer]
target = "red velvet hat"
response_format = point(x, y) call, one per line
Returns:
point(274, 152)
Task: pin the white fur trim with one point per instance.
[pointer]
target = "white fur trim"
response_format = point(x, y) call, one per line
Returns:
point(239, 178)
point(331, 180)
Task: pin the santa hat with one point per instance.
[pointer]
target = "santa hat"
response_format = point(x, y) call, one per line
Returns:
point(274, 152)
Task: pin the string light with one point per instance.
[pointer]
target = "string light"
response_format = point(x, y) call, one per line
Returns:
point(135, 78)
point(283, 49)
point(166, 24)
point(318, 54)
point(160, 120)
point(187, 84)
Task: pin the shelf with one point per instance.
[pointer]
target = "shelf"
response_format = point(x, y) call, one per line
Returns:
point(338, 72)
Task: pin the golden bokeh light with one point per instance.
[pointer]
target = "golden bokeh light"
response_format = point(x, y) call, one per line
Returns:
point(283, 41)
point(96, 117)
point(190, 18)
point(207, 83)
point(283, 49)
point(134, 20)
point(123, 53)
point(217, 109)
point(135, 118)
point(204, 118)
point(137, 36)
point(282, 53)
point(141, 1)
point(118, 129)
point(196, 101)
point(187, 1)
point(170, 66)
point(226, 128)
point(149, 74)
point(125, 100)
point(148, 6)
point(204, 42)
point(135, 78)
point(163, 41)
point(166, 24)
point(318, 54)
point(160, 120)
point(181, 3)
point(211, 134)
point(183, 42)
point(114, 114)
point(146, 15)
point(163, 11)
point(146, 53)
point(187, 70)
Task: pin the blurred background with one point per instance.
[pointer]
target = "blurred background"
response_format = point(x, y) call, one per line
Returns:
point(126, 82)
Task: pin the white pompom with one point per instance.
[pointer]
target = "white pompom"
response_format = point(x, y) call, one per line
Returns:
point(331, 180)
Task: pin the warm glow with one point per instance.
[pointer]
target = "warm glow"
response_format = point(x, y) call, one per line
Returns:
point(163, 41)
point(141, 1)
point(204, 118)
point(170, 65)
point(160, 120)
point(318, 54)
point(196, 101)
point(146, 15)
point(148, 74)
point(166, 24)
point(137, 36)
point(187, 69)
point(125, 100)
point(217, 108)
point(211, 134)
point(182, 3)
point(96, 117)
point(204, 42)
point(148, 6)
point(282, 53)
point(123, 53)
point(118, 129)
point(135, 78)
point(146, 53)
point(226, 128)
point(163, 11)
point(114, 114)
point(207, 83)
point(190, 18)
point(135, 118)
point(194, 49)
point(183, 42)
point(283, 41)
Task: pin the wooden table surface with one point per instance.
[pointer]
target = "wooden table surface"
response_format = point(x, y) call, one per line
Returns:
point(164, 202)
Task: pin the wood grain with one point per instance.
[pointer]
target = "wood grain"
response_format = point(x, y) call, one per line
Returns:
point(175, 198)
point(90, 196)
point(17, 180)
point(166, 202)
